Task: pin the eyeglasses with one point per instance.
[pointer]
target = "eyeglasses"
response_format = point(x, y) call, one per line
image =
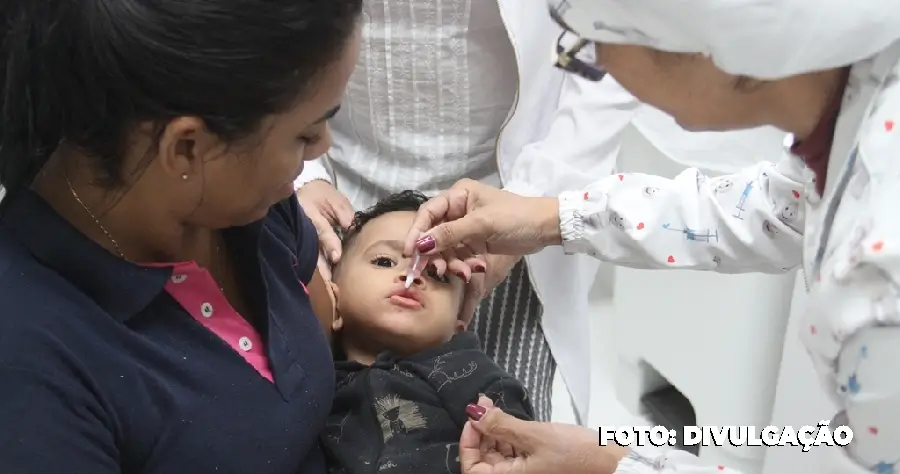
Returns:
point(566, 58)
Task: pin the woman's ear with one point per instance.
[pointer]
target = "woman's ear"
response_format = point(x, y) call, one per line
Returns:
point(336, 321)
point(185, 144)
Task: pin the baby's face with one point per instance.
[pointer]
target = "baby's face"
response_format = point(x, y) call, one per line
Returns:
point(375, 307)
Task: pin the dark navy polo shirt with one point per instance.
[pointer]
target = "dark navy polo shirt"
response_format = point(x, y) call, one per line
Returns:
point(103, 371)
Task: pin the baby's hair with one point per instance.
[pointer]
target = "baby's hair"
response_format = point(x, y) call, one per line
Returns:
point(408, 200)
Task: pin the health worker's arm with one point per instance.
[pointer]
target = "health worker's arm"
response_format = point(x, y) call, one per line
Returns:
point(750, 221)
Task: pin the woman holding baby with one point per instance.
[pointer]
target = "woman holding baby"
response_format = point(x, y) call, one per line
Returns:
point(153, 257)
point(825, 71)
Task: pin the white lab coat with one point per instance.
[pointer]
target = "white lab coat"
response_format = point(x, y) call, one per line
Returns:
point(769, 218)
point(562, 134)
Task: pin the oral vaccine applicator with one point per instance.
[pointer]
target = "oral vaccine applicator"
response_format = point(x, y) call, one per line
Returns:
point(411, 275)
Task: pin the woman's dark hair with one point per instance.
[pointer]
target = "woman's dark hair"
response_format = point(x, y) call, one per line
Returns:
point(87, 72)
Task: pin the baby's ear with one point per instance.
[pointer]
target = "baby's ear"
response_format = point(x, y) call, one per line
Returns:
point(323, 301)
point(336, 321)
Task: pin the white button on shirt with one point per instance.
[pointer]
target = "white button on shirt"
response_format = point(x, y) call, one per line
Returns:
point(206, 310)
point(178, 278)
point(245, 344)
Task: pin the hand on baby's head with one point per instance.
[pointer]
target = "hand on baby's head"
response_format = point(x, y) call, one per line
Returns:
point(376, 312)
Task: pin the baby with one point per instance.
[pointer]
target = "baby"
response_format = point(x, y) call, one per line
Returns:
point(406, 366)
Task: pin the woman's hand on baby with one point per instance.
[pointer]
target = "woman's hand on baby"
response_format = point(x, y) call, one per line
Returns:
point(326, 208)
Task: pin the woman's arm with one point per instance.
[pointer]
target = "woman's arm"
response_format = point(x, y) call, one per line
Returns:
point(295, 229)
point(750, 221)
point(52, 425)
point(745, 222)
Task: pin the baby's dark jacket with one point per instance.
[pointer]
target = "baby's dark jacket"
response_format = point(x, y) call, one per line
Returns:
point(405, 415)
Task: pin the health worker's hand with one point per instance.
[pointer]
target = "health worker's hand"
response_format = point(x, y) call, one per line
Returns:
point(484, 220)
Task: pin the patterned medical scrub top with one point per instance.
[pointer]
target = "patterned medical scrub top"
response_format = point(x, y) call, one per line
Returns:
point(770, 218)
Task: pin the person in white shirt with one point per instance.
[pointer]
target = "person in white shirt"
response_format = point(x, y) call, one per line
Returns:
point(436, 84)
point(826, 71)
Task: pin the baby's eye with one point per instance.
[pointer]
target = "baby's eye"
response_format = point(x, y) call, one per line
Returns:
point(384, 262)
point(433, 274)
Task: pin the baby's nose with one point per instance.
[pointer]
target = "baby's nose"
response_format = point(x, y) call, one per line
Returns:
point(417, 279)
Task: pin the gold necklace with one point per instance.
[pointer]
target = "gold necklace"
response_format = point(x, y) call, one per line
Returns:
point(97, 221)
point(218, 255)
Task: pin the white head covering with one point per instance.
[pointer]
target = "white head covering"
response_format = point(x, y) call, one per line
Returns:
point(765, 39)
